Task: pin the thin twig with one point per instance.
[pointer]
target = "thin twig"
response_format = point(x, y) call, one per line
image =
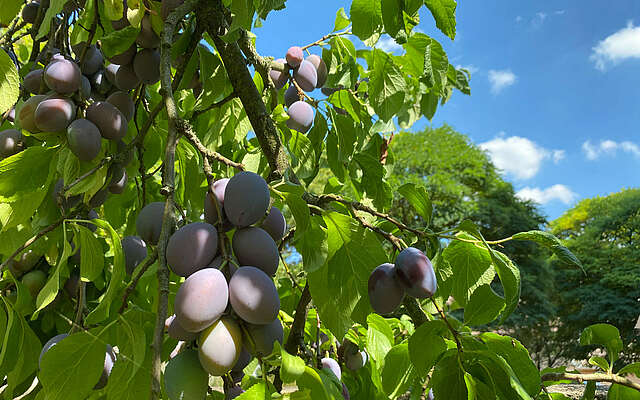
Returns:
point(598, 377)
point(92, 33)
point(394, 240)
point(446, 321)
point(220, 103)
point(77, 322)
point(325, 37)
point(134, 282)
point(296, 334)
point(185, 128)
point(86, 175)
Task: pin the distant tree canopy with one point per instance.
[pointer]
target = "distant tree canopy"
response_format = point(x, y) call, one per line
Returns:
point(604, 233)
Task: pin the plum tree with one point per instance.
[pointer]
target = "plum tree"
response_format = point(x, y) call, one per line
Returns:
point(415, 273)
point(184, 377)
point(291, 95)
point(146, 65)
point(321, 69)
point(385, 291)
point(176, 331)
point(62, 76)
point(34, 281)
point(33, 81)
point(109, 120)
point(84, 139)
point(332, 365)
point(279, 77)
point(253, 246)
point(264, 336)
point(168, 6)
point(201, 299)
point(126, 78)
point(135, 250)
point(26, 114)
point(294, 56)
point(300, 116)
point(67, 202)
point(109, 360)
point(306, 76)
point(11, 142)
point(122, 101)
point(246, 198)
point(219, 346)
point(149, 222)
point(192, 247)
point(147, 38)
point(275, 224)
point(253, 296)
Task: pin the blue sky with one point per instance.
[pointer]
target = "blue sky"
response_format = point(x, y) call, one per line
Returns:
point(555, 88)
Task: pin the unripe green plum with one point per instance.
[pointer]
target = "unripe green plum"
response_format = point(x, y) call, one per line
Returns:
point(11, 142)
point(415, 273)
point(184, 377)
point(34, 281)
point(27, 260)
point(220, 346)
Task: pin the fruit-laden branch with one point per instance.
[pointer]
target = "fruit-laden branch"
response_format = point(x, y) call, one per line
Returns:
point(296, 334)
point(187, 130)
point(134, 282)
point(414, 311)
point(31, 241)
point(598, 377)
point(168, 181)
point(92, 32)
point(328, 36)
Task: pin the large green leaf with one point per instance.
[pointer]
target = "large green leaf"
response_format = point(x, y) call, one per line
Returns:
point(483, 307)
point(9, 11)
point(393, 19)
point(340, 285)
point(312, 245)
point(9, 82)
point(605, 335)
point(387, 86)
point(447, 379)
point(424, 356)
point(51, 288)
point(418, 197)
point(366, 19)
point(55, 7)
point(398, 372)
point(26, 171)
point(379, 337)
point(71, 368)
point(117, 42)
point(436, 65)
point(444, 12)
point(510, 278)
point(91, 254)
point(551, 242)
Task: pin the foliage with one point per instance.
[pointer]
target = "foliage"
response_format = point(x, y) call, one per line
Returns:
point(197, 130)
point(602, 232)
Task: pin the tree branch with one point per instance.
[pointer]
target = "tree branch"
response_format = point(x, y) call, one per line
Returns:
point(168, 180)
point(598, 377)
point(135, 280)
point(187, 130)
point(220, 103)
point(31, 241)
point(296, 334)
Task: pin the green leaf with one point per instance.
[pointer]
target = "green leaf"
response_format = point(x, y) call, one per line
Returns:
point(303, 155)
point(436, 65)
point(471, 268)
point(341, 284)
point(599, 362)
point(292, 367)
point(619, 392)
point(418, 197)
point(348, 101)
point(428, 105)
point(444, 12)
point(297, 206)
point(184, 377)
point(312, 244)
point(398, 372)
point(51, 288)
point(10, 10)
point(310, 380)
point(101, 312)
point(9, 82)
point(27, 362)
point(447, 379)
point(551, 242)
point(510, 279)
point(379, 337)
point(605, 335)
point(517, 357)
point(393, 19)
point(342, 20)
point(91, 254)
point(71, 368)
point(12, 340)
point(483, 307)
point(387, 86)
point(633, 368)
point(424, 357)
point(263, 7)
point(117, 42)
point(366, 19)
point(242, 14)
point(55, 7)
point(25, 171)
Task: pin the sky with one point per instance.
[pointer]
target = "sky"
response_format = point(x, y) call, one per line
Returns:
point(555, 88)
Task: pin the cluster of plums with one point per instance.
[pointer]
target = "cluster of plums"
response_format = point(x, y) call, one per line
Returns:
point(309, 74)
point(412, 274)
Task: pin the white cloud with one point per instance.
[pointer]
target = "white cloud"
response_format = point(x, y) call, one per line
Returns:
point(610, 148)
point(471, 68)
point(519, 18)
point(518, 156)
point(560, 12)
point(539, 18)
point(501, 79)
point(543, 196)
point(388, 44)
point(617, 47)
